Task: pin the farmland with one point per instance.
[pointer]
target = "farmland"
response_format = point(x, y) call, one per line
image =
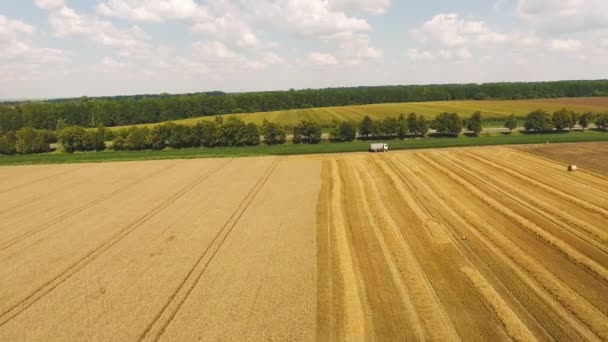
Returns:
point(490, 109)
point(489, 243)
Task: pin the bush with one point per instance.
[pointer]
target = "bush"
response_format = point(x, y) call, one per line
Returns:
point(8, 142)
point(208, 133)
point(137, 139)
point(30, 140)
point(274, 133)
point(307, 132)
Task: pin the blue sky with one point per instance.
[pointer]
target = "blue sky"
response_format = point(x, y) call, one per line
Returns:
point(61, 48)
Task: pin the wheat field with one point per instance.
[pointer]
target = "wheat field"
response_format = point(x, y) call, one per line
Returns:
point(492, 243)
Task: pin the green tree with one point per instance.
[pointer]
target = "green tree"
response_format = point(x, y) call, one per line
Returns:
point(403, 128)
point(601, 121)
point(274, 133)
point(538, 121)
point(367, 127)
point(448, 123)
point(389, 127)
point(307, 132)
point(423, 126)
point(412, 124)
point(574, 116)
point(584, 120)
point(561, 119)
point(474, 124)
point(342, 131)
point(511, 123)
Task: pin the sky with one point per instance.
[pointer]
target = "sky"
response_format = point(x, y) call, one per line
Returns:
point(72, 48)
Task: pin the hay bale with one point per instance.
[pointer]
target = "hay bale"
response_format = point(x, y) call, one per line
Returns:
point(572, 168)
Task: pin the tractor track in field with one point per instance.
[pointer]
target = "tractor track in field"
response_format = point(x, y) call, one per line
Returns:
point(542, 284)
point(157, 327)
point(50, 285)
point(41, 179)
point(566, 302)
point(595, 237)
point(512, 323)
point(557, 243)
point(424, 307)
point(556, 192)
point(46, 225)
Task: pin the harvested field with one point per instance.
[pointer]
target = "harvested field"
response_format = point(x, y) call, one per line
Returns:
point(482, 243)
point(588, 156)
point(471, 244)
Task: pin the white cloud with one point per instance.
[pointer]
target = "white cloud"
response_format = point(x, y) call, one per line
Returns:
point(9, 28)
point(373, 7)
point(569, 45)
point(319, 58)
point(564, 15)
point(50, 4)
point(112, 63)
point(357, 48)
point(450, 30)
point(306, 18)
point(417, 55)
point(66, 22)
point(214, 51)
point(152, 10)
point(20, 59)
point(271, 58)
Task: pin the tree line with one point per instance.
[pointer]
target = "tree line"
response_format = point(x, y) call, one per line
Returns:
point(235, 132)
point(141, 109)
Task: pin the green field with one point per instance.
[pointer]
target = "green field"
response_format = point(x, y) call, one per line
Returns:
point(493, 111)
point(291, 149)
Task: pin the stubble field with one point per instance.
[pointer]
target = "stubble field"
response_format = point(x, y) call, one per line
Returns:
point(479, 243)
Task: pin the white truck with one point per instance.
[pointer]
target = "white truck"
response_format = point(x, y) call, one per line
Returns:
point(378, 147)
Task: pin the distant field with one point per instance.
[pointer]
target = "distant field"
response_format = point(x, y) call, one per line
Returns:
point(490, 110)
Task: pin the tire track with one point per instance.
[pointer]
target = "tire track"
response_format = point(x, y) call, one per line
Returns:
point(586, 232)
point(44, 289)
point(544, 284)
point(424, 194)
point(46, 225)
point(577, 201)
point(327, 320)
point(429, 319)
point(513, 325)
point(419, 189)
point(165, 316)
point(351, 320)
point(523, 222)
point(3, 191)
point(566, 301)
